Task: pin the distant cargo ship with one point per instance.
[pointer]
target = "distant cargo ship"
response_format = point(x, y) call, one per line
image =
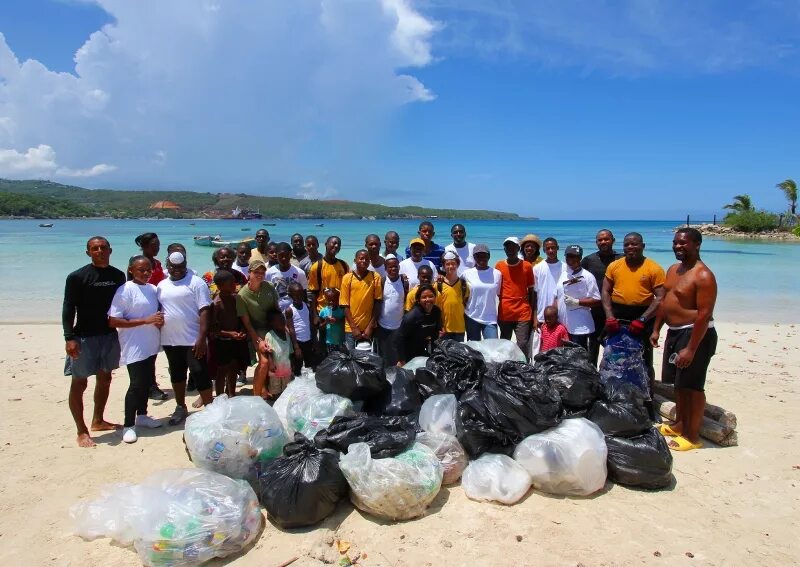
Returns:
point(244, 214)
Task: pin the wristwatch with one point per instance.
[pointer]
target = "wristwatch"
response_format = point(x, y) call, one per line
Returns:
point(642, 320)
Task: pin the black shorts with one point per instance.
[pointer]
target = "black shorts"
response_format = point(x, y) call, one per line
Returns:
point(692, 377)
point(181, 359)
point(227, 351)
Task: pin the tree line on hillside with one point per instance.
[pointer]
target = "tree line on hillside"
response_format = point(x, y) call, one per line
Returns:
point(118, 203)
point(744, 216)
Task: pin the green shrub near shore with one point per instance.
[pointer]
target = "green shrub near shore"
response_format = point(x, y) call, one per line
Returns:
point(751, 221)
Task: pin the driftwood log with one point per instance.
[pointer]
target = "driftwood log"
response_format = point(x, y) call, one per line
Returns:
point(710, 429)
point(725, 418)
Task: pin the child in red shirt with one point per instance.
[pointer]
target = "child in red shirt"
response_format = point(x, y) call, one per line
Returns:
point(554, 334)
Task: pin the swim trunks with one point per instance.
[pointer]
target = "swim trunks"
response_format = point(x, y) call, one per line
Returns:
point(693, 377)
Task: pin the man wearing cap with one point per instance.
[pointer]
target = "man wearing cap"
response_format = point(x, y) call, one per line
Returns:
point(577, 293)
point(395, 288)
point(516, 295)
point(262, 242)
point(531, 245)
point(431, 251)
point(632, 291)
point(597, 263)
point(461, 248)
point(410, 266)
point(546, 275)
point(185, 302)
point(92, 346)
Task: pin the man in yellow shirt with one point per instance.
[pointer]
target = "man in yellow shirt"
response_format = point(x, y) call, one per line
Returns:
point(327, 272)
point(262, 242)
point(360, 297)
point(632, 291)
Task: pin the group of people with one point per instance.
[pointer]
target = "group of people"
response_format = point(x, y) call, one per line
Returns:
point(282, 306)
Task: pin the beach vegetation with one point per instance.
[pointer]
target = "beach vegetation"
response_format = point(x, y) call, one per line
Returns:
point(16, 205)
point(740, 204)
point(789, 188)
point(751, 220)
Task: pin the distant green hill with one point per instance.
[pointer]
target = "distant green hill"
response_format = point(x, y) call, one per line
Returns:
point(46, 199)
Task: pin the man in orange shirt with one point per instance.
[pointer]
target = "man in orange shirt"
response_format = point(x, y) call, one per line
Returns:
point(516, 295)
point(632, 291)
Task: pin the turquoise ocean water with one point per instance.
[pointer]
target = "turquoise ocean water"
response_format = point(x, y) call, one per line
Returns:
point(757, 280)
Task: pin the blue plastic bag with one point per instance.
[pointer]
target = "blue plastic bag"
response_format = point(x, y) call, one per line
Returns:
point(623, 363)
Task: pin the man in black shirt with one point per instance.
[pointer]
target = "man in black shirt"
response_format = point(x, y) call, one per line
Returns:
point(92, 346)
point(596, 264)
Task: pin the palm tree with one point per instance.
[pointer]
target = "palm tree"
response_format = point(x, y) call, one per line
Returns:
point(789, 188)
point(741, 204)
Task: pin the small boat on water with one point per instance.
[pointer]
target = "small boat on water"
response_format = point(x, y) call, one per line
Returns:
point(270, 224)
point(320, 224)
point(217, 242)
point(46, 225)
point(245, 229)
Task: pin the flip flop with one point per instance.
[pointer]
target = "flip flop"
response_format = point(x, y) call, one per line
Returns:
point(683, 444)
point(667, 431)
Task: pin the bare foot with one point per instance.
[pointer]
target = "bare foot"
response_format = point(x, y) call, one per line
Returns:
point(85, 441)
point(198, 403)
point(105, 426)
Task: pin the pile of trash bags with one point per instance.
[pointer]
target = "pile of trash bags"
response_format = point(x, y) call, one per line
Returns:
point(573, 375)
point(234, 436)
point(394, 488)
point(303, 486)
point(174, 517)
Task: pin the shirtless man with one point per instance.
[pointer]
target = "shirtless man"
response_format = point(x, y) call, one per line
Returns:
point(92, 346)
point(687, 309)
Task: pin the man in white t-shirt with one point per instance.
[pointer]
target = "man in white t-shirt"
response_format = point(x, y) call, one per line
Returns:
point(546, 275)
point(461, 247)
point(410, 266)
point(395, 289)
point(577, 292)
point(283, 273)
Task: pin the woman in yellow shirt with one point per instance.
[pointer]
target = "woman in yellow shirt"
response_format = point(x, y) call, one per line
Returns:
point(451, 299)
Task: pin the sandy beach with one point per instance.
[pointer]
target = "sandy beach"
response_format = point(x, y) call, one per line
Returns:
point(729, 506)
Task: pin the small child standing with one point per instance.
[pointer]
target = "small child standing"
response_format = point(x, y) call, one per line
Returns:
point(554, 334)
point(301, 321)
point(281, 347)
point(332, 318)
point(227, 330)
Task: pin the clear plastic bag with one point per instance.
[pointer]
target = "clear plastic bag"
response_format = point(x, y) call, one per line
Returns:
point(303, 386)
point(450, 453)
point(438, 414)
point(396, 488)
point(498, 350)
point(233, 436)
point(569, 460)
point(416, 362)
point(311, 414)
point(495, 477)
point(174, 517)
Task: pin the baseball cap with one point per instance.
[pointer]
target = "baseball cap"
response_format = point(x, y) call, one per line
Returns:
point(531, 238)
point(450, 255)
point(416, 241)
point(573, 250)
point(176, 258)
point(513, 239)
point(480, 248)
point(256, 264)
point(389, 257)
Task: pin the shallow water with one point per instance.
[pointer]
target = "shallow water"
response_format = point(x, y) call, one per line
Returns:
point(757, 281)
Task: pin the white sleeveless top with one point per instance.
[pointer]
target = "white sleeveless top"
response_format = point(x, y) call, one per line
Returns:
point(302, 325)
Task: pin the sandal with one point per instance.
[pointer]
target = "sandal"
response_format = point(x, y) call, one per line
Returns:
point(667, 431)
point(681, 443)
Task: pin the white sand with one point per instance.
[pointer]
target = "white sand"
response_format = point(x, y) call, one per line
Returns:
point(731, 506)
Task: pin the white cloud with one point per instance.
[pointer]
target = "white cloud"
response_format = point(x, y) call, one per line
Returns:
point(310, 191)
point(235, 93)
point(40, 161)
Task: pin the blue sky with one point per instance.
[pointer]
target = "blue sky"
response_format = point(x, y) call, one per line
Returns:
point(559, 109)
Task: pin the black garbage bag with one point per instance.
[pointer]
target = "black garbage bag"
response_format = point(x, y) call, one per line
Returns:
point(428, 384)
point(400, 398)
point(644, 461)
point(358, 375)
point(387, 436)
point(571, 373)
point(460, 367)
point(624, 411)
point(301, 487)
point(477, 431)
point(519, 402)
